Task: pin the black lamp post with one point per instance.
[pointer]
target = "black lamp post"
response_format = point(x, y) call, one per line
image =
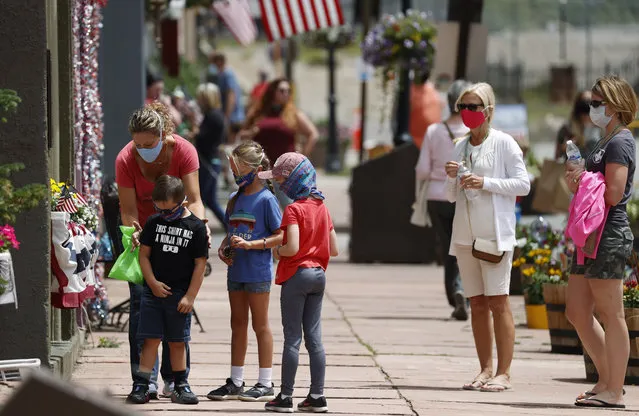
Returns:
point(333, 163)
point(402, 118)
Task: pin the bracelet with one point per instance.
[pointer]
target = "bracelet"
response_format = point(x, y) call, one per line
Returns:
point(264, 244)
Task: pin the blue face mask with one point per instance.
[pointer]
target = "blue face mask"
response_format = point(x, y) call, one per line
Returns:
point(245, 180)
point(150, 155)
point(173, 214)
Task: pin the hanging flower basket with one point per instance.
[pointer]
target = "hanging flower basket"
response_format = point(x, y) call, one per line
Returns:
point(401, 41)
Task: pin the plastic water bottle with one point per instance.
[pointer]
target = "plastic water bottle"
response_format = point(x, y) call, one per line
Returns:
point(573, 155)
point(463, 171)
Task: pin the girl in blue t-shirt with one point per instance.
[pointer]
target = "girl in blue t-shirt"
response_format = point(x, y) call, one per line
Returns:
point(253, 219)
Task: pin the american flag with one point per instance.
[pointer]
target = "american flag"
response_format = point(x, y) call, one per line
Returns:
point(69, 200)
point(286, 18)
point(236, 15)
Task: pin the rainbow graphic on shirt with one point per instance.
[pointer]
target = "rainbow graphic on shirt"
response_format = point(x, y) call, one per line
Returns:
point(241, 217)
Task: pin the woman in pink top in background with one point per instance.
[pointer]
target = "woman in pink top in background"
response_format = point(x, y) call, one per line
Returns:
point(437, 149)
point(154, 151)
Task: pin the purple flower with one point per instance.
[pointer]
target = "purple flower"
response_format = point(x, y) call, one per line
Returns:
point(423, 44)
point(408, 43)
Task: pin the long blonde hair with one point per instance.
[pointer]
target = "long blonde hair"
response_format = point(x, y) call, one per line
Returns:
point(208, 96)
point(151, 118)
point(251, 154)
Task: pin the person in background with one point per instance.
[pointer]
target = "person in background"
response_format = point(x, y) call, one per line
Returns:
point(425, 109)
point(597, 284)
point(154, 151)
point(275, 123)
point(258, 89)
point(154, 87)
point(484, 230)
point(231, 94)
point(579, 128)
point(155, 92)
point(442, 84)
point(188, 114)
point(437, 149)
point(208, 139)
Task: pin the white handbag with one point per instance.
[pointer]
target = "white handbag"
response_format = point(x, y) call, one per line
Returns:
point(420, 215)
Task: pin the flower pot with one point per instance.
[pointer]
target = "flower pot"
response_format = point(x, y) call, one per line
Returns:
point(632, 372)
point(563, 336)
point(536, 317)
point(8, 285)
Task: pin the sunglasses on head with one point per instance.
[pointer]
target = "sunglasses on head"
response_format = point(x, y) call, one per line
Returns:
point(471, 107)
point(596, 103)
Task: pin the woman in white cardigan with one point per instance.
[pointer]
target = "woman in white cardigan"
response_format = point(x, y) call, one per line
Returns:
point(497, 176)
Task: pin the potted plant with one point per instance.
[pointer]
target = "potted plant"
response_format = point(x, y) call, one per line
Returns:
point(536, 316)
point(12, 202)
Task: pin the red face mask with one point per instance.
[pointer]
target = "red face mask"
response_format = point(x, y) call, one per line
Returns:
point(472, 119)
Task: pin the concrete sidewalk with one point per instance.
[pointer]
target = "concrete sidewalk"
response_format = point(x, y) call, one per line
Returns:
point(391, 350)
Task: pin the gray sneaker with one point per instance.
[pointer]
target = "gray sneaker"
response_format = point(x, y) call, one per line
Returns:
point(169, 386)
point(229, 391)
point(258, 393)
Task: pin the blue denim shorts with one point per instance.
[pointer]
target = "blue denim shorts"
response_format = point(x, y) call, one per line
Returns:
point(160, 319)
point(259, 287)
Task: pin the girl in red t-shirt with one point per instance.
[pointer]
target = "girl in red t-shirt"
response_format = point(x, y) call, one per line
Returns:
point(309, 242)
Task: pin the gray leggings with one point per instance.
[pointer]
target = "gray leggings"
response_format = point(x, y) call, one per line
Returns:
point(301, 302)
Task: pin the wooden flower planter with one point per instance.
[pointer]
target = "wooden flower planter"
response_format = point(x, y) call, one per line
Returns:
point(632, 372)
point(563, 336)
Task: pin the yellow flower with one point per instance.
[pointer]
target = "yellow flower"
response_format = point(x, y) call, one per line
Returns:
point(529, 272)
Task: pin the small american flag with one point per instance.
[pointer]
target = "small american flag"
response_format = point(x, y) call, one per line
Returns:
point(69, 200)
point(236, 15)
point(285, 18)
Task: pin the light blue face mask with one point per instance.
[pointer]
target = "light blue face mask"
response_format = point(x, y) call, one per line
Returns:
point(150, 155)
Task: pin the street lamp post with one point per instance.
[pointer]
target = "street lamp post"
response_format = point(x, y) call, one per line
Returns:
point(333, 164)
point(402, 116)
point(562, 30)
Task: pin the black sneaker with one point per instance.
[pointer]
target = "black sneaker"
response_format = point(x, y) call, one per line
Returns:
point(280, 405)
point(258, 393)
point(183, 394)
point(139, 395)
point(229, 391)
point(313, 405)
point(461, 312)
point(153, 395)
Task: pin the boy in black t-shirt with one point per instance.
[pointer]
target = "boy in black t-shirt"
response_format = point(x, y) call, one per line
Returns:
point(173, 253)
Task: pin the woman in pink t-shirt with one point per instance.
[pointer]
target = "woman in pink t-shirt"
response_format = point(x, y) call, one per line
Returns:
point(154, 151)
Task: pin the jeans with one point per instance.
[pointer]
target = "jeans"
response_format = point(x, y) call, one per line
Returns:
point(135, 346)
point(301, 303)
point(209, 174)
point(442, 214)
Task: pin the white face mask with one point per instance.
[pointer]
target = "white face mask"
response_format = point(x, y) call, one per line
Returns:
point(599, 117)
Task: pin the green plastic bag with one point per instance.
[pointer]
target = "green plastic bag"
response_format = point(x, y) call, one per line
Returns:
point(127, 266)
